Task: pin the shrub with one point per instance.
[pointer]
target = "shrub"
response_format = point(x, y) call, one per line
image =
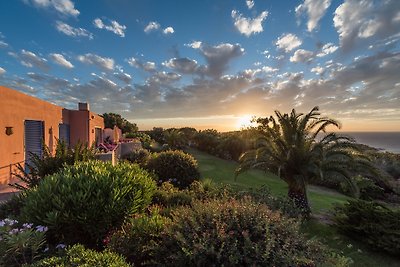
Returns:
point(167, 195)
point(81, 203)
point(140, 157)
point(371, 223)
point(136, 238)
point(175, 166)
point(234, 233)
point(49, 164)
point(78, 256)
point(20, 244)
point(284, 205)
point(368, 189)
point(12, 207)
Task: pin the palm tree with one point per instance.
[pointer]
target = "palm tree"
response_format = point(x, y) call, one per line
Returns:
point(174, 138)
point(296, 147)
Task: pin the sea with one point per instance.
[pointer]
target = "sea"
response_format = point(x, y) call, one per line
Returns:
point(385, 141)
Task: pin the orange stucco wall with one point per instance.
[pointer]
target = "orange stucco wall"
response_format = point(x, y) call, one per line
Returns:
point(95, 121)
point(83, 124)
point(15, 108)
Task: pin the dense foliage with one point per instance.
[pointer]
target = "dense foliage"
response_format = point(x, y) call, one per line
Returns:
point(82, 202)
point(138, 237)
point(291, 148)
point(371, 223)
point(175, 166)
point(144, 138)
point(78, 256)
point(234, 233)
point(140, 157)
point(12, 207)
point(113, 119)
point(49, 163)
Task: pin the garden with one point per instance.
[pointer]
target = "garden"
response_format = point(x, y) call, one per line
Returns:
point(175, 205)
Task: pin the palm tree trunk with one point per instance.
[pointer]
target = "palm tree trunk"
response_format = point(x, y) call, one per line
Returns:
point(299, 197)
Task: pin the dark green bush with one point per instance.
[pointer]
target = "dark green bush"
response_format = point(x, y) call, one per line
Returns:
point(167, 195)
point(368, 189)
point(371, 223)
point(176, 167)
point(78, 256)
point(137, 238)
point(284, 205)
point(12, 207)
point(82, 202)
point(234, 233)
point(140, 157)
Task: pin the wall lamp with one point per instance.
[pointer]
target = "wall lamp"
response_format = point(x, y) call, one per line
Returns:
point(9, 130)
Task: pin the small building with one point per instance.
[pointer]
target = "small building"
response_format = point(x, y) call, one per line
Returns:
point(26, 123)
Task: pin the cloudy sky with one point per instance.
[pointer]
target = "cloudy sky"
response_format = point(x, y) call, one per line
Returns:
point(208, 63)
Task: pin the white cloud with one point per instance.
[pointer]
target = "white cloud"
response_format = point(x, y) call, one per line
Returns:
point(315, 10)
point(183, 65)
point(31, 60)
point(288, 42)
point(249, 26)
point(3, 44)
point(60, 60)
point(100, 62)
point(125, 77)
point(152, 26)
point(163, 77)
point(71, 31)
point(194, 44)
point(65, 7)
point(2, 71)
point(219, 56)
point(250, 4)
point(114, 27)
point(302, 55)
point(133, 62)
point(147, 66)
point(357, 20)
point(269, 69)
point(327, 49)
point(168, 30)
point(318, 70)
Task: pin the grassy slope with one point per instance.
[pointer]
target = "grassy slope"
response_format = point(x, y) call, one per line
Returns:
point(222, 171)
point(321, 201)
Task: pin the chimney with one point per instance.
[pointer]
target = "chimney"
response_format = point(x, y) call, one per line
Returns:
point(83, 106)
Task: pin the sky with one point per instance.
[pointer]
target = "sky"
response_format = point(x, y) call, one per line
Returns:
point(209, 63)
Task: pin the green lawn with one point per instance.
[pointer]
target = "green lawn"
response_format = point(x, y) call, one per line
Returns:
point(222, 171)
point(321, 201)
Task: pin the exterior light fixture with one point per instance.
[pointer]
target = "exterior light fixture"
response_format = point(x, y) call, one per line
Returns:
point(9, 130)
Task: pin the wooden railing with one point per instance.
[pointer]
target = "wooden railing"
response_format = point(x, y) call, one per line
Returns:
point(11, 169)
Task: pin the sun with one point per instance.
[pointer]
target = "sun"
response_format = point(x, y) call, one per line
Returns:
point(244, 122)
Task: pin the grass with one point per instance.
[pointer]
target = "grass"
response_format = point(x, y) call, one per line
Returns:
point(222, 171)
point(321, 201)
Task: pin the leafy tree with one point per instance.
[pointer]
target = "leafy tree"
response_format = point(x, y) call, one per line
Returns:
point(157, 134)
point(111, 119)
point(231, 146)
point(174, 138)
point(296, 148)
point(207, 140)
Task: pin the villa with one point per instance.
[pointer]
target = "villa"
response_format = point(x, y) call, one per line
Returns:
point(27, 122)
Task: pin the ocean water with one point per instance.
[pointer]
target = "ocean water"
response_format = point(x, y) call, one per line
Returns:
point(387, 141)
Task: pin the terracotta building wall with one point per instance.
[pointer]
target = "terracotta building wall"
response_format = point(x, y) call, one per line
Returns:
point(79, 126)
point(95, 121)
point(15, 108)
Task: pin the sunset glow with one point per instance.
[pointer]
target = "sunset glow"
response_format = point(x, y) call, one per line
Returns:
point(208, 64)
